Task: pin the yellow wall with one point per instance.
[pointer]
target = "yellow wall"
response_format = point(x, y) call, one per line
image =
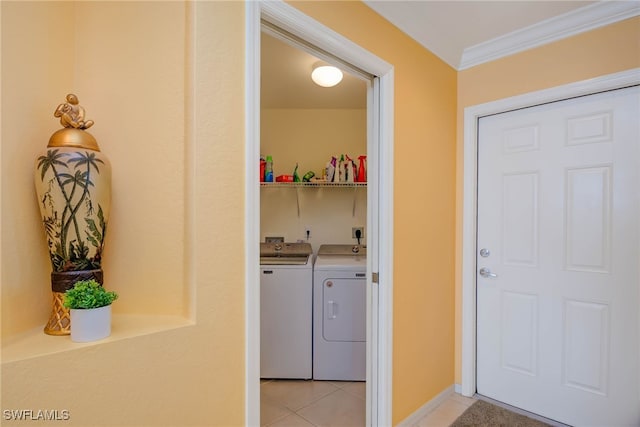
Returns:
point(425, 99)
point(121, 61)
point(32, 72)
point(596, 53)
point(310, 137)
point(180, 232)
point(63, 48)
point(182, 235)
point(176, 231)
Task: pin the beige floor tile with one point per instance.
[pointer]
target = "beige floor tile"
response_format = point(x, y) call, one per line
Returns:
point(443, 415)
point(271, 411)
point(341, 384)
point(295, 394)
point(467, 401)
point(338, 409)
point(292, 420)
point(358, 389)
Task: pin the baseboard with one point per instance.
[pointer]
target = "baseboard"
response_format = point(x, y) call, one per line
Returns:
point(412, 419)
point(457, 388)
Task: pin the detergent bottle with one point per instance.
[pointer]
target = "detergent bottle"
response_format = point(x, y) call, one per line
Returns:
point(362, 171)
point(268, 170)
point(348, 171)
point(331, 169)
point(263, 165)
point(296, 177)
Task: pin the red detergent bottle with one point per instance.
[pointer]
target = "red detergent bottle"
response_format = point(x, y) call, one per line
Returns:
point(362, 171)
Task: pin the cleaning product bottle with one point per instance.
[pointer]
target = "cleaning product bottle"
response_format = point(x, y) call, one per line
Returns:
point(348, 171)
point(263, 165)
point(296, 178)
point(362, 171)
point(351, 170)
point(268, 170)
point(340, 170)
point(331, 169)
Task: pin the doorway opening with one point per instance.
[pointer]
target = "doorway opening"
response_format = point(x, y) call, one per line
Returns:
point(379, 213)
point(312, 333)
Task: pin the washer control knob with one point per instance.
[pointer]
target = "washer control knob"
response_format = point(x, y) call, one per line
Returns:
point(355, 249)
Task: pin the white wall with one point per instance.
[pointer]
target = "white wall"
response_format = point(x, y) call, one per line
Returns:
point(328, 212)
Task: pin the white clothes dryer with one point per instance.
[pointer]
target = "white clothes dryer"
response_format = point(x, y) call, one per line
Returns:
point(339, 313)
point(286, 295)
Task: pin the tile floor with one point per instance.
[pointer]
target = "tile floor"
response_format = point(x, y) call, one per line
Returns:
point(335, 403)
point(312, 403)
point(446, 412)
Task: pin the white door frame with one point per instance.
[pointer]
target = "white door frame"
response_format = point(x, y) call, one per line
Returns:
point(379, 201)
point(470, 184)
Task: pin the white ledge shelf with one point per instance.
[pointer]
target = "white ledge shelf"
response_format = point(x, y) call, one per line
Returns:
point(315, 184)
point(35, 343)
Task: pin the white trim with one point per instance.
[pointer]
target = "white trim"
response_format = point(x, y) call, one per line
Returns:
point(469, 202)
point(384, 315)
point(252, 215)
point(286, 17)
point(425, 409)
point(569, 24)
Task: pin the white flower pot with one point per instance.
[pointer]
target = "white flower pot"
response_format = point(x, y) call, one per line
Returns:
point(90, 324)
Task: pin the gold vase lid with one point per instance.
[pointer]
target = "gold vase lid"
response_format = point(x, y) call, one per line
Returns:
point(70, 137)
point(74, 133)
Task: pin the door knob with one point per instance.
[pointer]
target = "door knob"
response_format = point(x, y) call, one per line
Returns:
point(485, 272)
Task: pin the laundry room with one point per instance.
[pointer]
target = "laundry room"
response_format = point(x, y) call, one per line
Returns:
point(308, 140)
point(313, 231)
point(306, 129)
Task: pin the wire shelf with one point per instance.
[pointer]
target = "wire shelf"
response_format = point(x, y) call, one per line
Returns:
point(314, 184)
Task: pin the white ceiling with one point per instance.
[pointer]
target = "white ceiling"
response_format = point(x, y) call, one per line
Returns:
point(462, 33)
point(286, 80)
point(447, 28)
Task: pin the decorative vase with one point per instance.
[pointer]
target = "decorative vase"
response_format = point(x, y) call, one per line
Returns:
point(90, 324)
point(73, 185)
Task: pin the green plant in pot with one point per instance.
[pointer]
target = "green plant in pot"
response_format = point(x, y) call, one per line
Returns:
point(90, 308)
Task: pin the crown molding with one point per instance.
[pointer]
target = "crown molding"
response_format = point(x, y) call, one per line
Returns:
point(581, 20)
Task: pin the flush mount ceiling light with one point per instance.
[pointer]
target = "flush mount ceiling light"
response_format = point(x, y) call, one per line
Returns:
point(326, 75)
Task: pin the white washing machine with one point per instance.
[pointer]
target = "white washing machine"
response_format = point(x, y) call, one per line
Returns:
point(339, 313)
point(286, 301)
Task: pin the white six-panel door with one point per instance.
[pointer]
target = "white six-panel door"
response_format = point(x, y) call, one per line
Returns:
point(559, 235)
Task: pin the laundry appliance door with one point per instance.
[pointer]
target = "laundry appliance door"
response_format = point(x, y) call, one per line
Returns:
point(344, 306)
point(286, 321)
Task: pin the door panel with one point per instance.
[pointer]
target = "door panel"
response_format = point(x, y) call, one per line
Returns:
point(344, 310)
point(559, 212)
point(286, 296)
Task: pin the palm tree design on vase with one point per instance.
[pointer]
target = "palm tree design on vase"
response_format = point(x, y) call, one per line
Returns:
point(69, 176)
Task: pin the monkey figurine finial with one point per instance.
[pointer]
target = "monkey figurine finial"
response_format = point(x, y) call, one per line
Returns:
point(71, 114)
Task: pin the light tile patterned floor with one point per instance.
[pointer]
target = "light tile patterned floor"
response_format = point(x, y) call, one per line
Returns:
point(446, 412)
point(312, 403)
point(335, 403)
